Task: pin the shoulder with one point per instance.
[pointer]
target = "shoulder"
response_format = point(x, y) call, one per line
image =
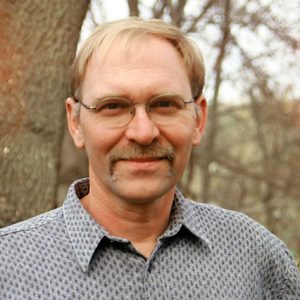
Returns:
point(240, 234)
point(239, 237)
point(232, 227)
point(212, 216)
point(31, 239)
point(42, 221)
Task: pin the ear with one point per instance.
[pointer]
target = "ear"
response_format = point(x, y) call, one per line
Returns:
point(201, 117)
point(74, 124)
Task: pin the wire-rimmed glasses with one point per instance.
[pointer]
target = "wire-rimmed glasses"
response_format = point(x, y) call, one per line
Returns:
point(116, 111)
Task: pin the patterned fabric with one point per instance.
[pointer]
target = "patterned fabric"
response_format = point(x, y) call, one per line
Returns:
point(205, 253)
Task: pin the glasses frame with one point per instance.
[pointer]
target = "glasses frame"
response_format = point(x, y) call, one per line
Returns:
point(93, 108)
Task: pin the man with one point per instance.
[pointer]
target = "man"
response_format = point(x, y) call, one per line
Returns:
point(127, 232)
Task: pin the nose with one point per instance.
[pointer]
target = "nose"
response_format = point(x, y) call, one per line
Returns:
point(141, 129)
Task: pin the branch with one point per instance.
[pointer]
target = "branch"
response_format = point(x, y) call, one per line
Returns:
point(158, 11)
point(205, 9)
point(133, 6)
point(264, 17)
point(177, 13)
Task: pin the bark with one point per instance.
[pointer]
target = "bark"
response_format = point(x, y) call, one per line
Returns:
point(38, 43)
point(176, 11)
point(133, 6)
point(202, 13)
point(158, 9)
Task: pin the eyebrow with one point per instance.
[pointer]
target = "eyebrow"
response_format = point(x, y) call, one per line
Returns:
point(120, 96)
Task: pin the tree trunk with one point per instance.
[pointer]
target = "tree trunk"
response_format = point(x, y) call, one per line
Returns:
point(133, 6)
point(213, 113)
point(37, 44)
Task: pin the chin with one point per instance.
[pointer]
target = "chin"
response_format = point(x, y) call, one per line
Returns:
point(142, 193)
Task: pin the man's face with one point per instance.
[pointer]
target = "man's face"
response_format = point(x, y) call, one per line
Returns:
point(142, 161)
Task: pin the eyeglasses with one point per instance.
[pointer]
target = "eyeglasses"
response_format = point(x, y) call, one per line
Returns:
point(115, 111)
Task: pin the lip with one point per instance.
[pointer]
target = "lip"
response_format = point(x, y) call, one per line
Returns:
point(144, 159)
point(142, 164)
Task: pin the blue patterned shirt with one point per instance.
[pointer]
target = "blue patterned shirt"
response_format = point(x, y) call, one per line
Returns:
point(205, 253)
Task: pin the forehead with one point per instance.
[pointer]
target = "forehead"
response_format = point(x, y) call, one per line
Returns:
point(131, 48)
point(150, 62)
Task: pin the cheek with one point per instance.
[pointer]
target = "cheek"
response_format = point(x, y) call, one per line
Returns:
point(99, 141)
point(180, 135)
point(181, 138)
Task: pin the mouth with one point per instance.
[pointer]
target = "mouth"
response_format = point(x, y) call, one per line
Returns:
point(139, 153)
point(145, 159)
point(141, 166)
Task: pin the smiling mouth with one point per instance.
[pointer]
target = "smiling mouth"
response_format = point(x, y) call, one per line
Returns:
point(143, 159)
point(146, 153)
point(142, 165)
point(139, 159)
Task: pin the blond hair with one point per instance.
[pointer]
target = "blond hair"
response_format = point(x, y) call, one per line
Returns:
point(132, 30)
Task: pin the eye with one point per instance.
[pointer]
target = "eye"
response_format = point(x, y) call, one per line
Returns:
point(165, 104)
point(112, 106)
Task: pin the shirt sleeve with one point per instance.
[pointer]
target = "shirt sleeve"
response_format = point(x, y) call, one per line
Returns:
point(281, 276)
point(290, 278)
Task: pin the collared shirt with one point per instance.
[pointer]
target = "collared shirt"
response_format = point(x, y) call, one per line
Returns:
point(205, 253)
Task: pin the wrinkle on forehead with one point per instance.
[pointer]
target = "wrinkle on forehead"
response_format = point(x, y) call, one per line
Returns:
point(152, 64)
point(132, 48)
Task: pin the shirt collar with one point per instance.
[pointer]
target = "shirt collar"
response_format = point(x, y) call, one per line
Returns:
point(86, 234)
point(185, 213)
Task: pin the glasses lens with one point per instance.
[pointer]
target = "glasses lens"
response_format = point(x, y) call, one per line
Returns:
point(166, 109)
point(114, 112)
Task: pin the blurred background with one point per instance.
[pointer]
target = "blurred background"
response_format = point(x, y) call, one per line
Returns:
point(249, 159)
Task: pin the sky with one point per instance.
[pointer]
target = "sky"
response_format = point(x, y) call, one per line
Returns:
point(107, 10)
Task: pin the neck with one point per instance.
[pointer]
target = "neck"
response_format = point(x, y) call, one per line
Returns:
point(142, 224)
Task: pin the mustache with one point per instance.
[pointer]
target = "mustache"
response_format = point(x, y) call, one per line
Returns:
point(136, 151)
